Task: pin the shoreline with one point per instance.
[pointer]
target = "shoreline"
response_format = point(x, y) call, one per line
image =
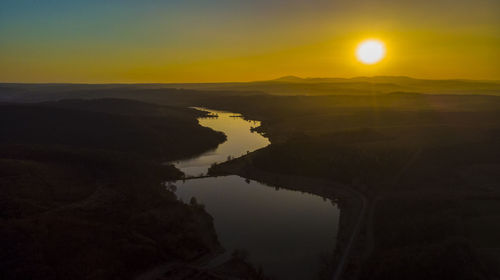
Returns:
point(353, 206)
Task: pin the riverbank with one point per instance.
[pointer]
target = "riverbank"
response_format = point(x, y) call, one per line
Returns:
point(81, 192)
point(350, 244)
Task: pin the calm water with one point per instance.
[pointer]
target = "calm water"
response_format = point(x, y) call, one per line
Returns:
point(240, 140)
point(283, 231)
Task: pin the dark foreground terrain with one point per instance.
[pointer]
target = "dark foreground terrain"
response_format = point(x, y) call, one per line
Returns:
point(427, 167)
point(82, 193)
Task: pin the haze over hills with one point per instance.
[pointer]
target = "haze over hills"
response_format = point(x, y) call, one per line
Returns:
point(287, 85)
point(291, 85)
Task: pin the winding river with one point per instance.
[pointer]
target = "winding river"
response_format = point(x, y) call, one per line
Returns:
point(284, 232)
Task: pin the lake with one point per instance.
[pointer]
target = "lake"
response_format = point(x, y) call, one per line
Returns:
point(284, 232)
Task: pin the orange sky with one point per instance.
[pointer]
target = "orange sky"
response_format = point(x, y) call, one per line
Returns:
point(221, 40)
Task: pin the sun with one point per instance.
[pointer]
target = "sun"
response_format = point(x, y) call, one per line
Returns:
point(370, 51)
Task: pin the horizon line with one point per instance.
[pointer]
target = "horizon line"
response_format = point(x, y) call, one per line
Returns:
point(252, 81)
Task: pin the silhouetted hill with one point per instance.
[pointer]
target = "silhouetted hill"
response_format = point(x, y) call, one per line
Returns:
point(289, 79)
point(157, 134)
point(127, 107)
point(183, 93)
point(82, 189)
point(428, 165)
point(291, 85)
point(166, 94)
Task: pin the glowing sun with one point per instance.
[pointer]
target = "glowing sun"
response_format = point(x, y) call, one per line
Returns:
point(370, 51)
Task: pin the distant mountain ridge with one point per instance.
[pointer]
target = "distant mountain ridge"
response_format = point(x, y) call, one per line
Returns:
point(291, 78)
point(286, 85)
point(293, 85)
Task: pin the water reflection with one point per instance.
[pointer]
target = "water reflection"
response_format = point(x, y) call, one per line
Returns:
point(283, 231)
point(240, 140)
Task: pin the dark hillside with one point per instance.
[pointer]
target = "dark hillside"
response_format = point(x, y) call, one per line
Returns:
point(82, 193)
point(428, 165)
point(161, 133)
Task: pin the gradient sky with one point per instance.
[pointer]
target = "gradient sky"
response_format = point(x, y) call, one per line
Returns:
point(234, 40)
